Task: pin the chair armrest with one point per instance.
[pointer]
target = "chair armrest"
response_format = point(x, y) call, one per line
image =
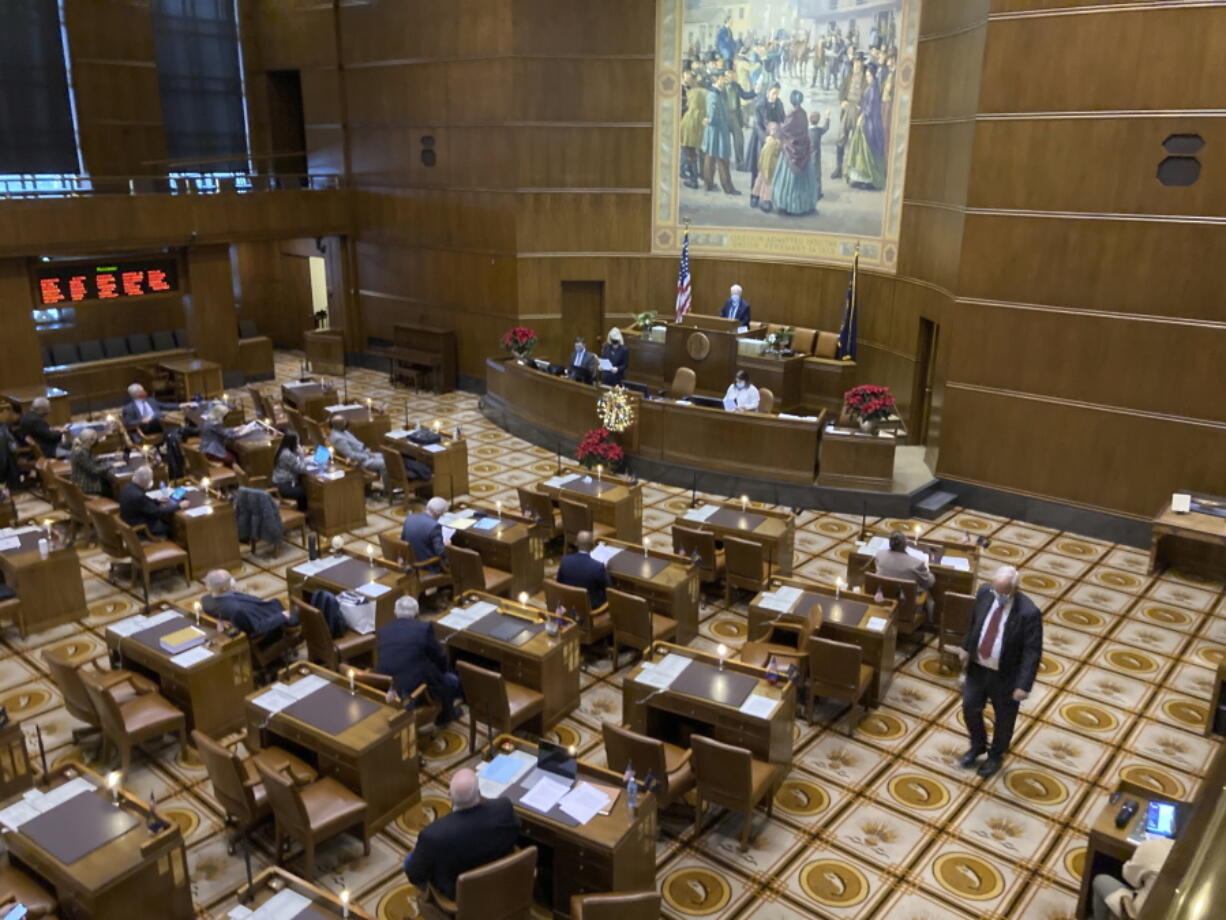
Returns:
point(601, 609)
point(433, 560)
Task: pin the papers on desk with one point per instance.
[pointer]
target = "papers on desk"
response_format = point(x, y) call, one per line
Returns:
point(798, 418)
point(343, 407)
point(1181, 502)
point(961, 563)
point(781, 600)
point(741, 330)
point(603, 553)
point(34, 802)
point(448, 533)
point(275, 698)
point(304, 687)
point(286, 904)
point(315, 566)
point(701, 513)
point(489, 523)
point(9, 543)
point(199, 511)
point(758, 706)
point(193, 656)
point(545, 794)
point(329, 476)
point(584, 802)
point(398, 433)
point(458, 520)
point(159, 495)
point(877, 544)
point(494, 776)
point(434, 448)
point(129, 625)
point(463, 617)
point(662, 673)
point(558, 482)
point(373, 589)
point(877, 624)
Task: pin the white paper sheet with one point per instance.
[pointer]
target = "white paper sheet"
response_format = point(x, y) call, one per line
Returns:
point(544, 794)
point(789, 594)
point(18, 814)
point(876, 545)
point(651, 676)
point(701, 513)
point(434, 448)
point(398, 433)
point(61, 794)
point(558, 482)
point(917, 554)
point(161, 617)
point(877, 624)
point(491, 789)
point(772, 601)
point(199, 511)
point(10, 543)
point(192, 656)
point(239, 913)
point(304, 686)
point(603, 553)
point(448, 533)
point(129, 625)
point(329, 477)
point(583, 802)
point(960, 563)
point(606, 365)
point(758, 706)
point(343, 407)
point(274, 699)
point(463, 617)
point(284, 905)
point(1181, 502)
point(672, 665)
point(373, 589)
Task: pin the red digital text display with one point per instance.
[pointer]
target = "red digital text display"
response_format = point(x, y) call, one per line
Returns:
point(59, 282)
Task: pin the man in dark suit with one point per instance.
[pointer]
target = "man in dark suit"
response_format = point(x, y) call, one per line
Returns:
point(143, 412)
point(736, 307)
point(410, 654)
point(1003, 647)
point(583, 363)
point(580, 570)
point(476, 832)
point(424, 533)
point(136, 508)
point(259, 618)
point(34, 427)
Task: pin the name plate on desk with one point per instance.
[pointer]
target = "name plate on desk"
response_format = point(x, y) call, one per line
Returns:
point(331, 709)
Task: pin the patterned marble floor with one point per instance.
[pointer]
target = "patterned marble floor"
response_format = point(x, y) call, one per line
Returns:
point(882, 824)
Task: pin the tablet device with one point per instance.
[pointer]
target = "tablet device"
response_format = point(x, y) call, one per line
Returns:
point(178, 494)
point(322, 455)
point(1160, 819)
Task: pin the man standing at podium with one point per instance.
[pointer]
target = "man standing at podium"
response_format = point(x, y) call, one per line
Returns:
point(736, 307)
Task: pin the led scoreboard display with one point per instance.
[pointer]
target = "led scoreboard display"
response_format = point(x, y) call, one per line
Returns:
point(71, 283)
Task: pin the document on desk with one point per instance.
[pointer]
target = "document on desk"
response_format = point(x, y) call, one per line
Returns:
point(603, 553)
point(458, 520)
point(584, 802)
point(199, 511)
point(10, 543)
point(61, 794)
point(129, 625)
point(545, 794)
point(434, 448)
point(332, 476)
point(877, 624)
point(448, 533)
point(373, 589)
point(488, 523)
point(558, 482)
point(960, 563)
point(275, 698)
point(286, 904)
point(463, 617)
point(494, 776)
point(342, 407)
point(398, 433)
point(758, 706)
point(192, 656)
point(18, 814)
point(701, 513)
point(161, 617)
point(304, 686)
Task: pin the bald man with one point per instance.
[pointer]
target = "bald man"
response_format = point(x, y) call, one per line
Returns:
point(478, 831)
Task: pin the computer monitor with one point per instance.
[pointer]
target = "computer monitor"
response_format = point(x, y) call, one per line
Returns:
point(555, 759)
point(1160, 819)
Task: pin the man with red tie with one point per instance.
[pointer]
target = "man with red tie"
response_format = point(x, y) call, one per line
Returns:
point(1003, 647)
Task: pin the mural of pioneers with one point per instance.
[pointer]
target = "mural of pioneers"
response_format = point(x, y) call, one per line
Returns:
point(781, 127)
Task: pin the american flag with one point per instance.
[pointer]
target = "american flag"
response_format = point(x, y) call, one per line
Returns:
point(683, 279)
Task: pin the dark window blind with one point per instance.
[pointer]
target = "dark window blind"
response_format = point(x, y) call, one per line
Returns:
point(36, 132)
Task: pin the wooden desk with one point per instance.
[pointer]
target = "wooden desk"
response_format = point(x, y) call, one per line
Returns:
point(309, 397)
point(256, 452)
point(194, 377)
point(121, 469)
point(857, 460)
point(783, 376)
point(775, 530)
point(366, 424)
point(50, 590)
point(544, 663)
point(435, 350)
point(211, 693)
point(195, 415)
point(670, 714)
point(348, 572)
point(668, 582)
point(130, 873)
point(335, 505)
point(21, 397)
point(613, 852)
point(614, 500)
point(449, 465)
point(96, 381)
point(843, 619)
point(16, 774)
point(374, 756)
point(513, 545)
point(211, 539)
point(1194, 541)
point(948, 577)
point(325, 350)
point(275, 882)
point(711, 354)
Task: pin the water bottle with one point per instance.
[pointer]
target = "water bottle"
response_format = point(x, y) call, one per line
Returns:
point(312, 547)
point(44, 548)
point(632, 790)
point(772, 672)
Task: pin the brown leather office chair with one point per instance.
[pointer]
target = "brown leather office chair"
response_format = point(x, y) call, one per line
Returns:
point(911, 612)
point(766, 400)
point(688, 541)
point(16, 887)
point(827, 345)
point(836, 672)
point(128, 719)
point(684, 382)
point(500, 890)
point(470, 573)
point(420, 702)
point(616, 905)
point(634, 624)
point(78, 513)
point(594, 625)
point(956, 614)
point(539, 507)
point(745, 567)
point(310, 813)
point(298, 422)
point(65, 674)
point(49, 482)
point(350, 650)
point(102, 514)
point(577, 516)
point(666, 762)
point(502, 705)
point(803, 340)
point(153, 557)
point(399, 479)
point(199, 467)
point(731, 777)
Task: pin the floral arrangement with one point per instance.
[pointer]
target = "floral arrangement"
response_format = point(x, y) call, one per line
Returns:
point(597, 448)
point(615, 409)
point(646, 319)
point(870, 403)
point(519, 341)
point(780, 341)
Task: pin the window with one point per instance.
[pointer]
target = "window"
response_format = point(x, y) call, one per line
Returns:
point(54, 317)
point(37, 136)
point(201, 83)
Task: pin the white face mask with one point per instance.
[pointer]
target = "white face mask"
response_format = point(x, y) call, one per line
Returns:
point(740, 384)
point(736, 298)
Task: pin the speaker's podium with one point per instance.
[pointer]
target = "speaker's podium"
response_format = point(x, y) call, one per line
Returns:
point(708, 346)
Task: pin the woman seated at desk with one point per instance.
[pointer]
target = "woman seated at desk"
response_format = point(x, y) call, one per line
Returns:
point(742, 396)
point(214, 434)
point(287, 469)
point(617, 355)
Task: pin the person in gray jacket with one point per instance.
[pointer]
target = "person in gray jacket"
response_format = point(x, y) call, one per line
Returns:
point(287, 470)
point(896, 562)
point(347, 445)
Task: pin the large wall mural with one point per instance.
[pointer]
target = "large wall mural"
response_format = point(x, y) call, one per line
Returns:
point(781, 127)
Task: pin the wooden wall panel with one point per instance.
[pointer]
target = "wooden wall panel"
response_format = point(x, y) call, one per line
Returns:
point(583, 222)
point(584, 89)
point(208, 310)
point(22, 364)
point(584, 29)
point(100, 319)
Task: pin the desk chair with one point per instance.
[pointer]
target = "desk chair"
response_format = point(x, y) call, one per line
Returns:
point(577, 516)
point(199, 467)
point(66, 675)
point(684, 383)
point(912, 610)
point(594, 625)
point(425, 708)
point(746, 567)
point(126, 719)
point(399, 479)
point(78, 514)
point(501, 890)
point(49, 484)
point(502, 705)
point(766, 400)
point(310, 813)
point(298, 422)
point(701, 543)
point(421, 579)
point(472, 574)
point(957, 612)
point(18, 887)
point(666, 762)
point(731, 777)
point(350, 650)
point(149, 558)
point(836, 672)
point(616, 905)
point(634, 624)
point(102, 516)
point(538, 506)
point(286, 510)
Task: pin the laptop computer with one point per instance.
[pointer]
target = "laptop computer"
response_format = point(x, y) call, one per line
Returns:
point(557, 760)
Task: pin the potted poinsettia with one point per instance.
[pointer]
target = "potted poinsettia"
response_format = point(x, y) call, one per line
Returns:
point(597, 448)
point(519, 341)
point(870, 405)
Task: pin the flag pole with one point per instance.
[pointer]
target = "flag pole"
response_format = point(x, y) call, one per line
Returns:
point(851, 313)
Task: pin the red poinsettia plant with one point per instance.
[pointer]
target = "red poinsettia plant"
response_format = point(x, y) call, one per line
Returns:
point(519, 341)
point(599, 449)
point(869, 402)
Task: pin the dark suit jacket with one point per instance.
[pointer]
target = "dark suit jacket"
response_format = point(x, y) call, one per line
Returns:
point(461, 841)
point(619, 357)
point(135, 507)
point(131, 415)
point(34, 427)
point(584, 372)
point(579, 570)
point(1023, 640)
point(247, 612)
point(424, 534)
point(410, 654)
point(740, 314)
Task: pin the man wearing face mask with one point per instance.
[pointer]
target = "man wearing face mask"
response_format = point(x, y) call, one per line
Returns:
point(583, 363)
point(742, 396)
point(1003, 647)
point(736, 307)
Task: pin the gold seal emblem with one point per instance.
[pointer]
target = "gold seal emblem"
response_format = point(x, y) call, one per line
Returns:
point(1187, 712)
point(696, 891)
point(1154, 778)
point(399, 904)
point(1090, 717)
point(1036, 786)
point(1133, 662)
point(915, 790)
point(834, 883)
point(429, 809)
point(801, 798)
point(1079, 616)
point(968, 876)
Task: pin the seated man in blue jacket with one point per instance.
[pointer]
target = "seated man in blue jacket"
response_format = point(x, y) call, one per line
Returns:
point(424, 533)
point(144, 412)
point(410, 653)
point(580, 570)
point(257, 617)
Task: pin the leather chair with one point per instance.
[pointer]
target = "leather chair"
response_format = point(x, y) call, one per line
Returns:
point(730, 777)
point(310, 813)
point(102, 515)
point(684, 382)
point(701, 543)
point(237, 785)
point(538, 506)
point(66, 676)
point(420, 579)
point(287, 510)
point(616, 905)
point(152, 557)
point(199, 467)
point(669, 764)
point(129, 720)
point(502, 705)
point(634, 624)
point(956, 614)
point(74, 501)
point(836, 672)
point(16, 887)
point(296, 421)
point(577, 516)
point(745, 566)
point(49, 482)
point(766, 400)
point(911, 612)
point(803, 340)
point(500, 890)
point(594, 625)
point(470, 573)
point(827, 345)
point(350, 650)
point(399, 479)
point(425, 708)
